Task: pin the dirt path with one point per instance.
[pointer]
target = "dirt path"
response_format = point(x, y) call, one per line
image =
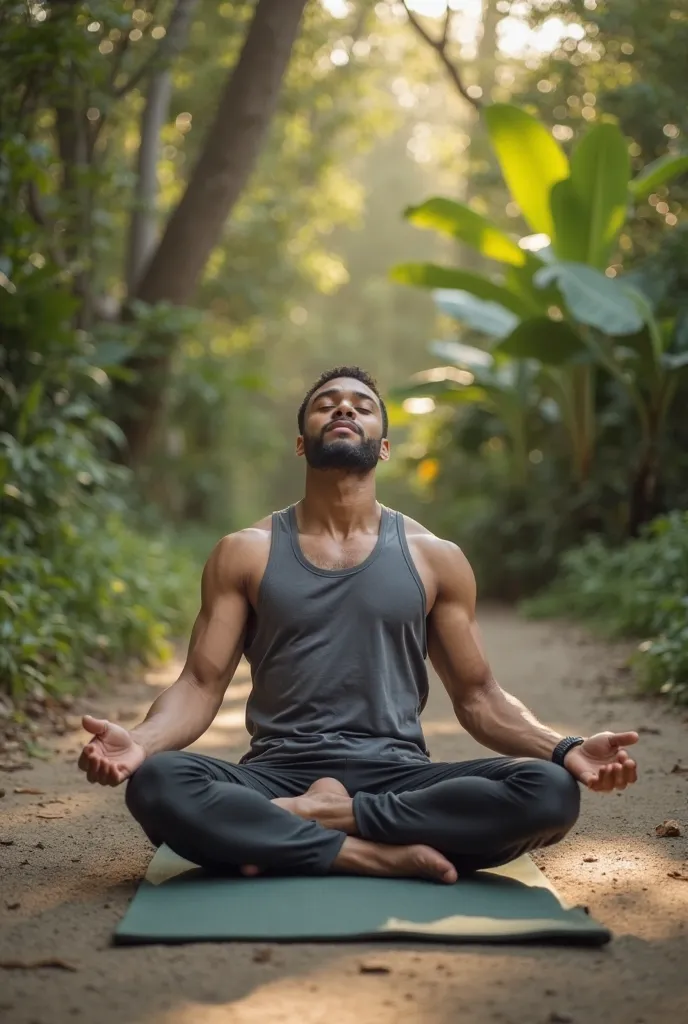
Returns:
point(66, 881)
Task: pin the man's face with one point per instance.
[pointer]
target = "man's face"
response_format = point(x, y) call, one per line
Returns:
point(343, 428)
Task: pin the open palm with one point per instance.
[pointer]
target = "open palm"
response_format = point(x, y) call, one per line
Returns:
point(112, 755)
point(602, 763)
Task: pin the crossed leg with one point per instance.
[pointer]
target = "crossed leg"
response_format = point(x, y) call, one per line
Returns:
point(477, 814)
point(224, 816)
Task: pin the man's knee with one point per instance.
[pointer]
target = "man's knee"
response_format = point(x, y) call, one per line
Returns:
point(152, 785)
point(554, 802)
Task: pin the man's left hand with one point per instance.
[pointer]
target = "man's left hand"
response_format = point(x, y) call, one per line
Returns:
point(601, 763)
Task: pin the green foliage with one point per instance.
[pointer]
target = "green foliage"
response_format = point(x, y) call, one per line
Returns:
point(580, 205)
point(80, 585)
point(637, 590)
point(531, 161)
point(622, 60)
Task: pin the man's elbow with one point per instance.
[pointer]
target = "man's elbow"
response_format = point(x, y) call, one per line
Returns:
point(471, 700)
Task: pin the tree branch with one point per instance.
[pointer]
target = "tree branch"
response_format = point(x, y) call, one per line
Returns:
point(440, 48)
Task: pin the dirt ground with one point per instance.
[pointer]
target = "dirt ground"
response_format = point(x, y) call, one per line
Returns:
point(65, 882)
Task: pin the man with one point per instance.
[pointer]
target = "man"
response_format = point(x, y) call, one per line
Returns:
point(335, 603)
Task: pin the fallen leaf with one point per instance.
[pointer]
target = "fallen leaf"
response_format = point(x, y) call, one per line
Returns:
point(29, 965)
point(679, 769)
point(678, 874)
point(29, 790)
point(373, 967)
point(589, 860)
point(668, 829)
point(14, 766)
point(50, 814)
point(262, 956)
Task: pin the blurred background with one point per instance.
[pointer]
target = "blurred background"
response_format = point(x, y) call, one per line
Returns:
point(203, 205)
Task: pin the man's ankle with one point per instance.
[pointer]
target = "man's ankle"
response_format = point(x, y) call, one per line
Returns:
point(338, 815)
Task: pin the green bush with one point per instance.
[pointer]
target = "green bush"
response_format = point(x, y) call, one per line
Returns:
point(80, 584)
point(637, 590)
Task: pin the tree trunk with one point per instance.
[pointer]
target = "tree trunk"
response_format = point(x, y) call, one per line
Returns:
point(229, 155)
point(143, 229)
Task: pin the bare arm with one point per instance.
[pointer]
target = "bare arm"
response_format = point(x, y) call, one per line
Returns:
point(492, 716)
point(187, 708)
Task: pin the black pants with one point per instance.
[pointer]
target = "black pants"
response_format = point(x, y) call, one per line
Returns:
point(477, 813)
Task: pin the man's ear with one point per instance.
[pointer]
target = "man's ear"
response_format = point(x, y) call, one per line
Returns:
point(385, 450)
point(299, 445)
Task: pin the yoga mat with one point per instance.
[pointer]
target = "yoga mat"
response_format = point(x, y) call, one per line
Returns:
point(178, 902)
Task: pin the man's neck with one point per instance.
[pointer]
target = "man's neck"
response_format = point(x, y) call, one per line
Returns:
point(339, 503)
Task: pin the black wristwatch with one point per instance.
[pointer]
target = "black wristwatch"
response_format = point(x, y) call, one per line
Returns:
point(563, 746)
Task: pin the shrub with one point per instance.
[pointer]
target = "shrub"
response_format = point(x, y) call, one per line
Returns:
point(79, 583)
point(637, 590)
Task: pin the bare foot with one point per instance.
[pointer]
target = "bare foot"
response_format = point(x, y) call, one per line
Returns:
point(326, 802)
point(321, 793)
point(360, 857)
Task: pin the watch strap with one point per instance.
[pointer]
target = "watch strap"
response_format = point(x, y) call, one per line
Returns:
point(563, 746)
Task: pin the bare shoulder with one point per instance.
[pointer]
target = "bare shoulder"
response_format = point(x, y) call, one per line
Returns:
point(433, 547)
point(441, 559)
point(238, 556)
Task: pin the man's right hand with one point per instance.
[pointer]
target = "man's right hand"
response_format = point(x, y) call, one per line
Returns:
point(112, 755)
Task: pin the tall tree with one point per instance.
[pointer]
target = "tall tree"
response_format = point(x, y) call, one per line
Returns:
point(227, 159)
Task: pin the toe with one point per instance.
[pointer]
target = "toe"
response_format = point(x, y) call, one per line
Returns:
point(250, 870)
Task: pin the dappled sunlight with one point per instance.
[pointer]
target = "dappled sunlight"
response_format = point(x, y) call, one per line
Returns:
point(627, 884)
point(238, 691)
point(164, 675)
point(228, 729)
point(308, 997)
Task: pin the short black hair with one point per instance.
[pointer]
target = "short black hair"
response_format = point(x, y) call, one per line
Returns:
point(354, 372)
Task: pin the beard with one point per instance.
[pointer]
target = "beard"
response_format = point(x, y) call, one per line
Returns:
point(358, 457)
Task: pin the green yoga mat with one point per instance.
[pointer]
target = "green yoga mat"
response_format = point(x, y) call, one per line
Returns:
point(177, 902)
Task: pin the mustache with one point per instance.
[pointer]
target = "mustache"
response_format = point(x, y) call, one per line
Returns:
point(346, 423)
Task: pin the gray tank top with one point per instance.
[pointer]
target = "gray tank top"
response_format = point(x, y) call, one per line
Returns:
point(337, 656)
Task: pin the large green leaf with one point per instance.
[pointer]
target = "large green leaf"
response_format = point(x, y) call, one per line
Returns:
point(429, 275)
point(600, 170)
point(675, 360)
point(465, 356)
point(521, 281)
point(445, 389)
point(531, 161)
point(571, 237)
point(460, 222)
point(669, 166)
point(551, 342)
point(592, 298)
point(489, 317)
